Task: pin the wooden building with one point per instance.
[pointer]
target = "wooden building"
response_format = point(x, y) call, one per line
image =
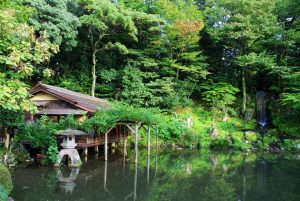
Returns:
point(56, 102)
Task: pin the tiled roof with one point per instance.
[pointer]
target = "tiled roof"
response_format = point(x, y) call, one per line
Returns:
point(81, 101)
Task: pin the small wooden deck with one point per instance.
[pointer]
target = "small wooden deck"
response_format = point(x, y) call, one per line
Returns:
point(118, 134)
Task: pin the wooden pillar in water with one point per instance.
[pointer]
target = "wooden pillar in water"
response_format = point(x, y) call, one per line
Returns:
point(96, 149)
point(124, 143)
point(105, 146)
point(149, 145)
point(135, 181)
point(85, 151)
point(124, 146)
point(136, 143)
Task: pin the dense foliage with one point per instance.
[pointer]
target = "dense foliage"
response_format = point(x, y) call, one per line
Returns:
point(5, 182)
point(199, 59)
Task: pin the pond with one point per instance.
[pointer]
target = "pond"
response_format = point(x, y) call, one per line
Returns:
point(173, 175)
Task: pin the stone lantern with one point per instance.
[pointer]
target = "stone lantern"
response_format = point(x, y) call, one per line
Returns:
point(69, 142)
point(69, 147)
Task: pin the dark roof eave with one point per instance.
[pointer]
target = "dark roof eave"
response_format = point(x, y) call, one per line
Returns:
point(41, 87)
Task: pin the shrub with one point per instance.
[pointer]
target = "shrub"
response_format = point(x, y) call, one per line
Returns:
point(5, 179)
point(52, 154)
point(269, 141)
point(239, 141)
point(251, 137)
point(220, 143)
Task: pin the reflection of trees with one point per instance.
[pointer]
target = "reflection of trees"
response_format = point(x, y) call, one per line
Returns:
point(218, 189)
point(177, 176)
point(192, 176)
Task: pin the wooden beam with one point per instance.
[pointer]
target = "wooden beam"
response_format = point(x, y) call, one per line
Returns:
point(131, 129)
point(105, 143)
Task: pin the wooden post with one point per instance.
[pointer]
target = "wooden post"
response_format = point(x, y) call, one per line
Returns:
point(136, 142)
point(105, 146)
point(105, 143)
point(85, 151)
point(156, 138)
point(149, 145)
point(113, 147)
point(124, 146)
point(96, 149)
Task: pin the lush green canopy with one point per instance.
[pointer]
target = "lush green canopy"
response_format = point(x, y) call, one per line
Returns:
point(199, 59)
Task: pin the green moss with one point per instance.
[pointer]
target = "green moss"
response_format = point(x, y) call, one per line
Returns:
point(5, 179)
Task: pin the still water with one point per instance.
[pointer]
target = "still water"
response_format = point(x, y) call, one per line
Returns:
point(167, 176)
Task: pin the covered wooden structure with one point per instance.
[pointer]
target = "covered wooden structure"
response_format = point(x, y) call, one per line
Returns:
point(56, 102)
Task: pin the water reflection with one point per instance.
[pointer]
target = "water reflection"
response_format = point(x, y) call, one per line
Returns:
point(175, 176)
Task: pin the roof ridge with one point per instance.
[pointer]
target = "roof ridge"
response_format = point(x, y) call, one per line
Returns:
point(74, 92)
point(79, 100)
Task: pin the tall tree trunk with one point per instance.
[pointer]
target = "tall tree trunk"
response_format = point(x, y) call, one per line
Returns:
point(244, 91)
point(93, 73)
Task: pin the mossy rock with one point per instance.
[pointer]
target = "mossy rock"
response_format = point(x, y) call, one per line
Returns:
point(5, 179)
point(3, 193)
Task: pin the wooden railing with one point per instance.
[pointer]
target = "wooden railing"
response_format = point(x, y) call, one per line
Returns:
point(90, 141)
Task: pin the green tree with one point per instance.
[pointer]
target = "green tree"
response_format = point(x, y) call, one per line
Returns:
point(54, 17)
point(183, 22)
point(219, 97)
point(134, 90)
point(21, 54)
point(106, 25)
point(242, 28)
